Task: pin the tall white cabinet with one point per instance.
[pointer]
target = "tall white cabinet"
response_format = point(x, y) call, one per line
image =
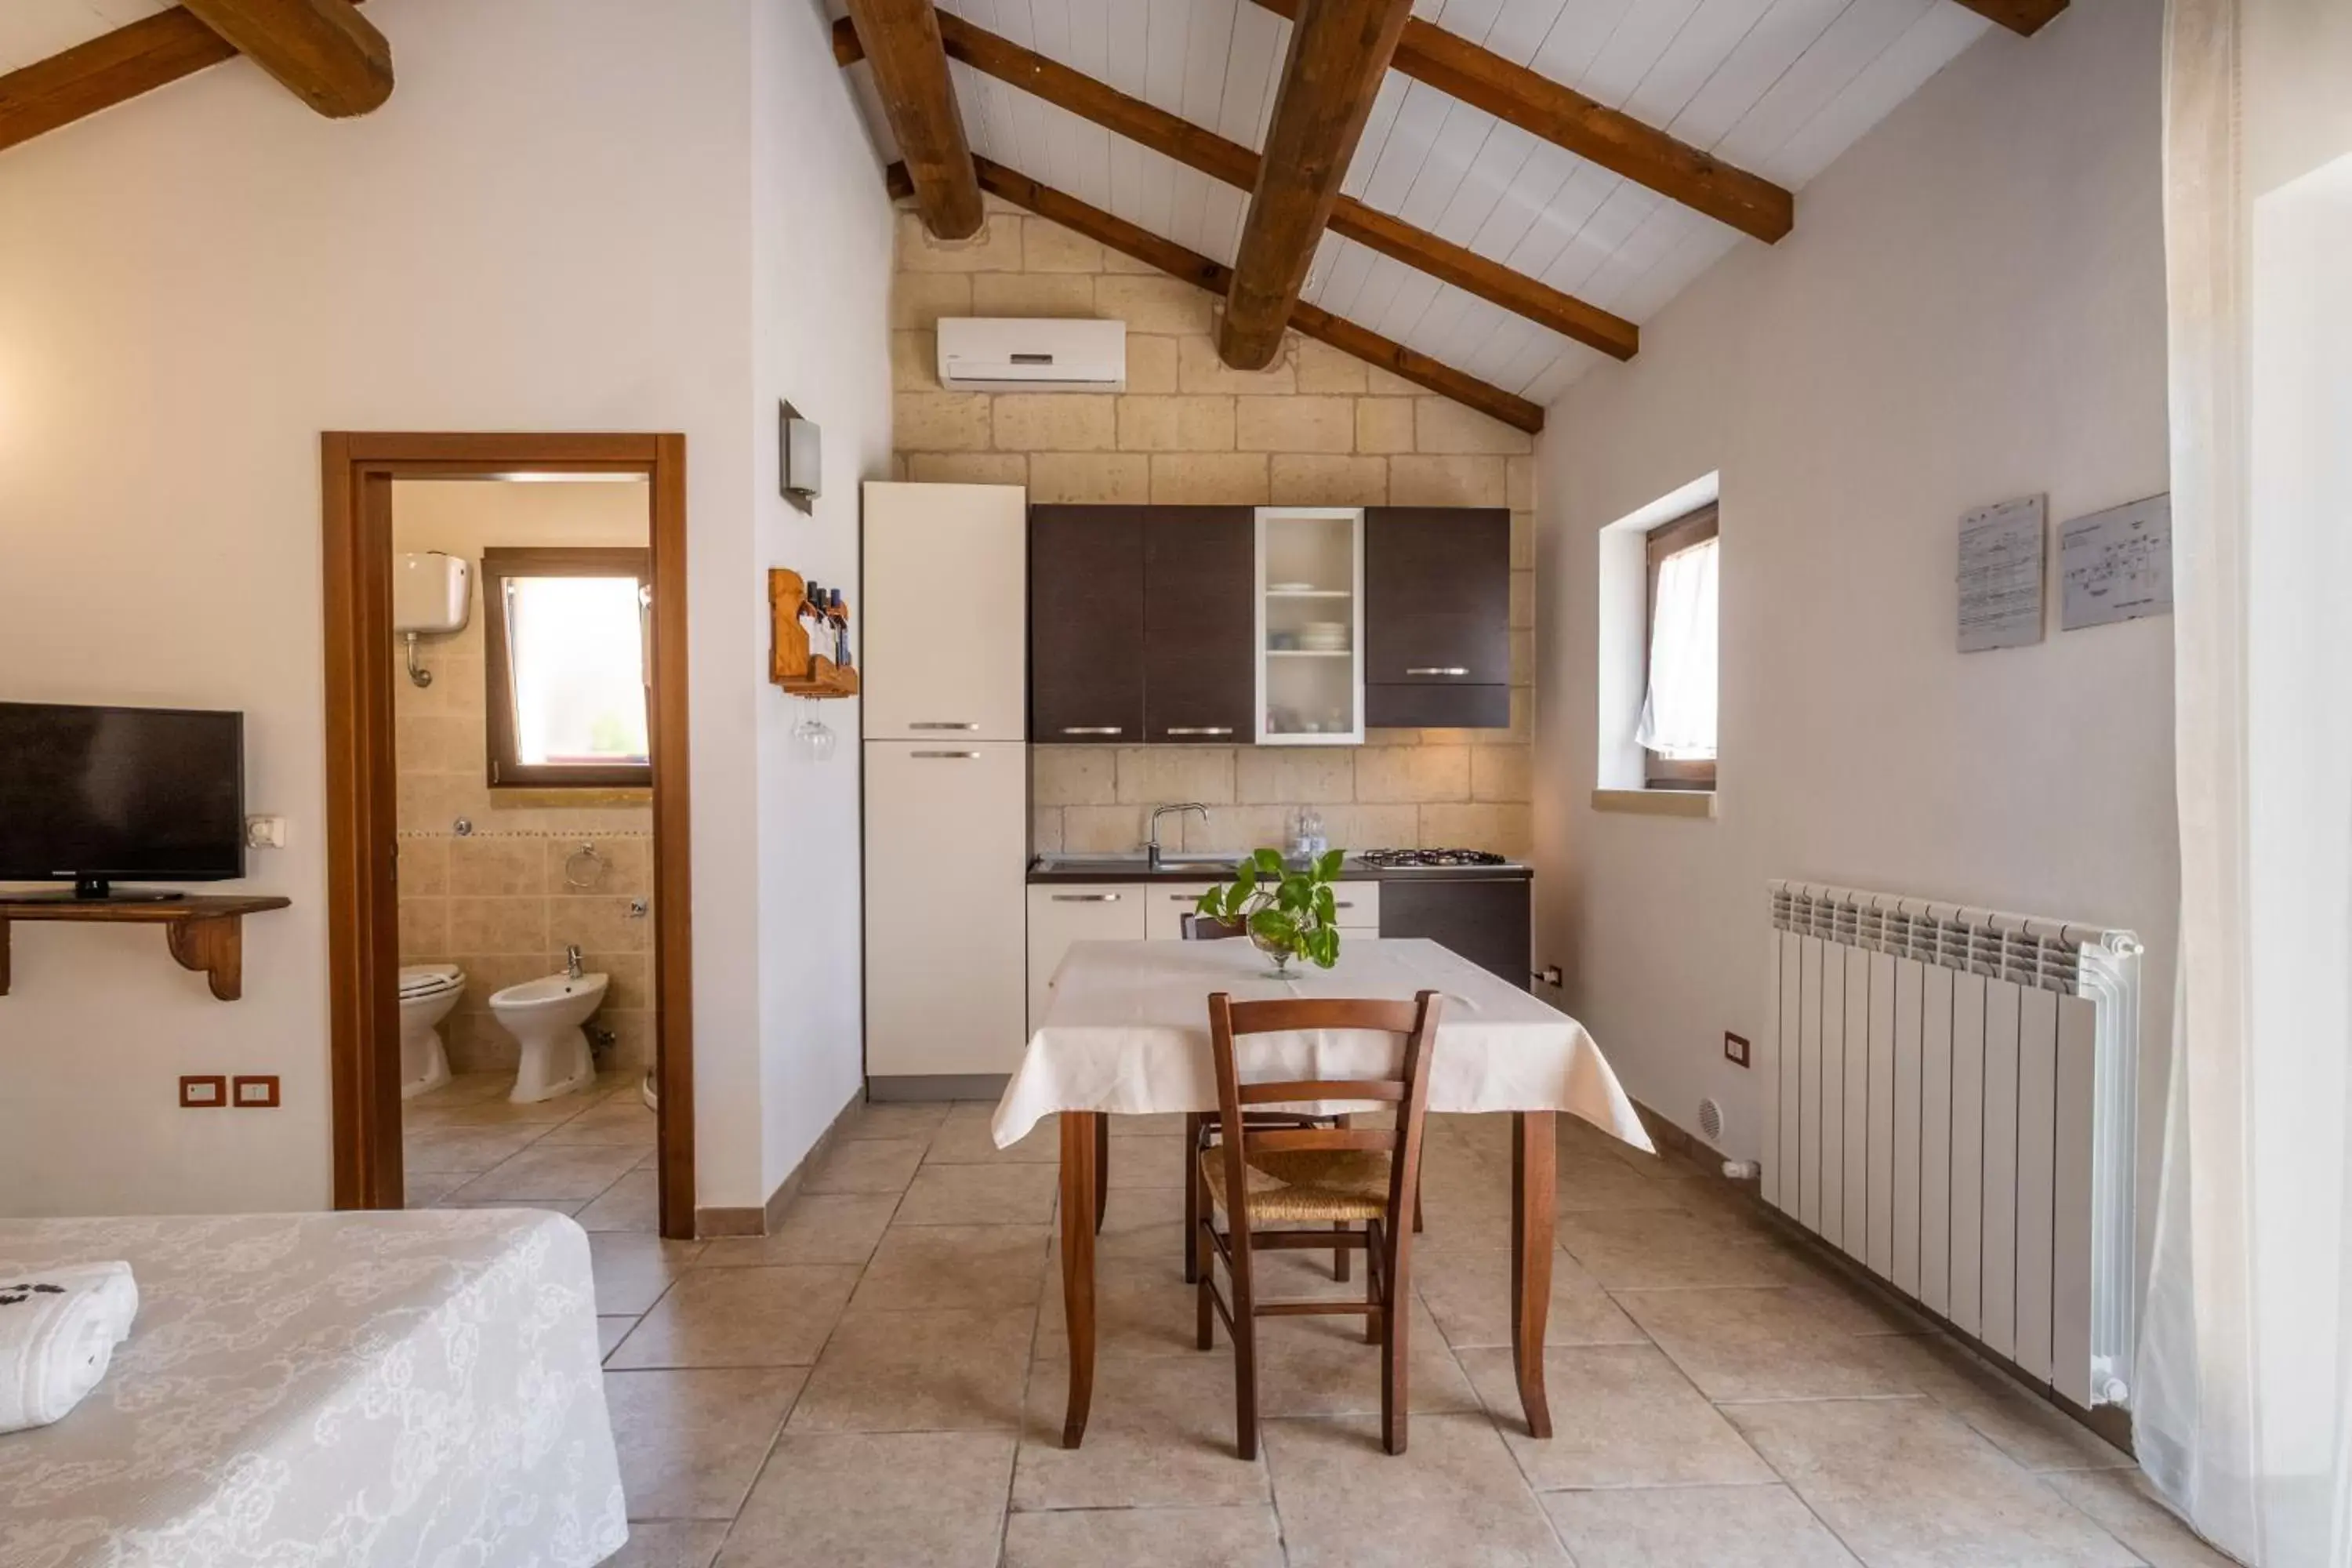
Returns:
point(946, 840)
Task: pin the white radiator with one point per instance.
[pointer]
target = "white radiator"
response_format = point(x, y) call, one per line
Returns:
point(1955, 1093)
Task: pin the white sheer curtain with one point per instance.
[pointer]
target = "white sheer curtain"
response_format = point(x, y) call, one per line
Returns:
point(2243, 1405)
point(1678, 712)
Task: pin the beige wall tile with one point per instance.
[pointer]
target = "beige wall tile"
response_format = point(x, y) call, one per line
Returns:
point(1445, 481)
point(1442, 425)
point(1045, 830)
point(1396, 773)
point(1176, 424)
point(598, 924)
point(1198, 369)
point(1101, 829)
point(1322, 368)
point(1238, 827)
point(1153, 303)
point(920, 298)
point(1032, 294)
point(1519, 484)
point(1523, 657)
point(1151, 363)
point(1506, 829)
point(995, 249)
point(968, 468)
point(915, 361)
point(1294, 423)
point(1090, 478)
point(424, 928)
point(435, 742)
point(1119, 261)
point(1049, 247)
point(1161, 775)
point(1301, 775)
point(423, 867)
point(497, 925)
point(1387, 384)
point(1315, 480)
point(1523, 598)
point(1221, 478)
point(1500, 772)
point(1523, 541)
point(940, 422)
point(1363, 826)
point(1384, 425)
point(621, 863)
point(1074, 775)
point(1056, 422)
point(498, 866)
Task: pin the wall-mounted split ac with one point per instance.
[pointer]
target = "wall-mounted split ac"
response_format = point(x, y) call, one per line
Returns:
point(992, 354)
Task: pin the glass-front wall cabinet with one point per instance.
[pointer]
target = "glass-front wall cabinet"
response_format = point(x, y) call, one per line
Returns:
point(1310, 626)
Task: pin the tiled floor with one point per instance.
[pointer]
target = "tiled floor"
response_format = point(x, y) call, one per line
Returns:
point(880, 1382)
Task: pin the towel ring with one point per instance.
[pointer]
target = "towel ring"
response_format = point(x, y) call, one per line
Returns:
point(595, 878)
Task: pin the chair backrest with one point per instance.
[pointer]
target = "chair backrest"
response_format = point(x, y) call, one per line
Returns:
point(1209, 928)
point(1407, 1089)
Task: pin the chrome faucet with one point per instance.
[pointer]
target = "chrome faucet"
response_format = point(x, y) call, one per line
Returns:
point(1151, 845)
point(572, 962)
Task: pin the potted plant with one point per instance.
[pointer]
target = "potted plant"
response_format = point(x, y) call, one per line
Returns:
point(1287, 913)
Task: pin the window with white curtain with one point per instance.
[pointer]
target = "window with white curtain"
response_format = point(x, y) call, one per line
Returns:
point(1677, 729)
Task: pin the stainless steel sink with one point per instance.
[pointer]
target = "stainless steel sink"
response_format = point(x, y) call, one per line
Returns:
point(1137, 860)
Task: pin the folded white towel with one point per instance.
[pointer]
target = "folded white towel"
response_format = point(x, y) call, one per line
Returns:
point(58, 1328)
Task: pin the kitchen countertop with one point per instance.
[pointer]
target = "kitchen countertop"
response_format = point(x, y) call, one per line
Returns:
point(1351, 870)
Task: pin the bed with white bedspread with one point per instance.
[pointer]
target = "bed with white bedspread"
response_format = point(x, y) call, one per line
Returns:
point(328, 1389)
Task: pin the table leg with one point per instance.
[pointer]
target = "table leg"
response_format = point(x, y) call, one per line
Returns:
point(1102, 1169)
point(1533, 1159)
point(1080, 1129)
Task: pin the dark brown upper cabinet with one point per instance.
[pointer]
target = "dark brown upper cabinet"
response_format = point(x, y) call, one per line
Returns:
point(1437, 618)
point(1200, 625)
point(1086, 625)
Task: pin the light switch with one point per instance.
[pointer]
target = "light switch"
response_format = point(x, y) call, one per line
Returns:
point(204, 1092)
point(265, 833)
point(258, 1092)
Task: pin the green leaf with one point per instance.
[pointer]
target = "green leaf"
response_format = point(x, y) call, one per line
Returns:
point(1326, 905)
point(1323, 946)
point(1268, 862)
point(1294, 895)
point(1210, 904)
point(1327, 867)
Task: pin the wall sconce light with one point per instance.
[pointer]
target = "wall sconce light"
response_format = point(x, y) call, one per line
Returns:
point(800, 457)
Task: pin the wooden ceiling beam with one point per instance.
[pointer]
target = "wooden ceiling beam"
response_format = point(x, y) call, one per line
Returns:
point(1592, 131)
point(322, 51)
point(111, 69)
point(2023, 16)
point(910, 71)
point(1149, 126)
point(1340, 51)
point(1177, 261)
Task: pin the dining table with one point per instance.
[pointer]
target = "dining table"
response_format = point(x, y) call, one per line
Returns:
point(1126, 1033)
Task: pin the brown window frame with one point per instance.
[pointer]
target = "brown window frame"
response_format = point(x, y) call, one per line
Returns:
point(1693, 527)
point(505, 768)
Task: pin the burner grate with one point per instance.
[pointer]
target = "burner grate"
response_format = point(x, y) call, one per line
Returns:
point(1404, 859)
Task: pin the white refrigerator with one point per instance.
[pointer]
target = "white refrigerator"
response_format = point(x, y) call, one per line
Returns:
point(947, 785)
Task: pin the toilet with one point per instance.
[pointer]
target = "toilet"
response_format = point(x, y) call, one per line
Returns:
point(545, 1015)
point(427, 993)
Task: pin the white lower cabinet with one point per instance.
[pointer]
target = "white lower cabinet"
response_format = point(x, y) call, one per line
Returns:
point(946, 864)
point(1062, 912)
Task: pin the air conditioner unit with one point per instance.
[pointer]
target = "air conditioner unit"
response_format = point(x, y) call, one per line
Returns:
point(993, 353)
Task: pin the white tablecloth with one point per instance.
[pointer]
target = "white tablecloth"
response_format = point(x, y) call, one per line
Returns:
point(303, 1391)
point(1127, 1032)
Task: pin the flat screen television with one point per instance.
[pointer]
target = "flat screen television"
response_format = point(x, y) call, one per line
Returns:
point(90, 796)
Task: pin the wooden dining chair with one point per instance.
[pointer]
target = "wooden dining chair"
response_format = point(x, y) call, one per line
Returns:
point(1319, 1176)
point(1200, 1126)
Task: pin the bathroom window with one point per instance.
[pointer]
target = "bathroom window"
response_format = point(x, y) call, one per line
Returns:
point(567, 634)
point(1677, 730)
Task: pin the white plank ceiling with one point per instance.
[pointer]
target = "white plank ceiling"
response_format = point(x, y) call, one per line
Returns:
point(1778, 87)
point(35, 29)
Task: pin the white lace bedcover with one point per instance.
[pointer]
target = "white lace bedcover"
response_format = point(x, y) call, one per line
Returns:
point(346, 1389)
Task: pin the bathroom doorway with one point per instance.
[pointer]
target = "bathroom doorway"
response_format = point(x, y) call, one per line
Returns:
point(508, 822)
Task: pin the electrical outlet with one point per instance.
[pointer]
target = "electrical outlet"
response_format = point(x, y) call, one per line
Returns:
point(1735, 1048)
point(257, 1091)
point(207, 1092)
point(1551, 975)
point(265, 833)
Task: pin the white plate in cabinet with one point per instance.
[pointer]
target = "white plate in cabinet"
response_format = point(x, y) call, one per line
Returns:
point(945, 639)
point(946, 860)
point(1062, 912)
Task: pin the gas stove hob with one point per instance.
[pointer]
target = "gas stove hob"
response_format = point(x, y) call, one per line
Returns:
point(1407, 859)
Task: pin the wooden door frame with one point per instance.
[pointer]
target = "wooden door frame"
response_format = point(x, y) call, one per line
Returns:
point(362, 911)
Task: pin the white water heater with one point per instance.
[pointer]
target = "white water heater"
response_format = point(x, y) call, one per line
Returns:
point(432, 593)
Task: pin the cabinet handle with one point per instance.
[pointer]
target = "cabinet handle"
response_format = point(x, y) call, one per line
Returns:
point(962, 756)
point(941, 725)
point(1086, 898)
point(1198, 730)
point(1437, 670)
point(1094, 729)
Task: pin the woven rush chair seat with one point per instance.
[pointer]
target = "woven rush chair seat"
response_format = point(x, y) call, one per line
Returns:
point(1307, 1186)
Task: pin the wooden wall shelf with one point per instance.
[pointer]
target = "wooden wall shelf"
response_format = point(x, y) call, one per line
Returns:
point(205, 934)
point(790, 664)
